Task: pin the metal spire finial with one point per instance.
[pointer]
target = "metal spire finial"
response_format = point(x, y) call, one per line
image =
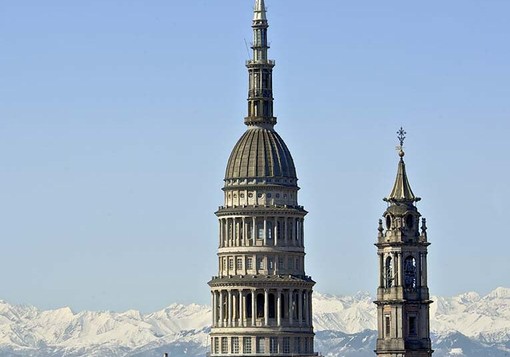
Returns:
point(259, 11)
point(401, 135)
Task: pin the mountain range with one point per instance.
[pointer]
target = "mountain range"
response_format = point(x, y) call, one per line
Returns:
point(464, 325)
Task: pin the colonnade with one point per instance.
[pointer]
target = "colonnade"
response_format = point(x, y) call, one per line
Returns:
point(268, 231)
point(261, 307)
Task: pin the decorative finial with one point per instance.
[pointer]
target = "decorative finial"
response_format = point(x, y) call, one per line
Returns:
point(401, 135)
point(380, 229)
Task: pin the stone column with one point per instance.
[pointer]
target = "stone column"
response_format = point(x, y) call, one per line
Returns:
point(418, 272)
point(290, 306)
point(254, 229)
point(425, 281)
point(235, 308)
point(382, 271)
point(292, 229)
point(219, 232)
point(300, 306)
point(253, 304)
point(275, 231)
point(298, 231)
point(229, 302)
point(227, 232)
point(305, 307)
point(222, 232)
point(285, 231)
point(243, 308)
point(266, 307)
point(279, 307)
point(265, 231)
point(310, 308)
point(244, 231)
point(221, 309)
point(213, 302)
point(301, 232)
point(295, 231)
point(239, 223)
point(398, 266)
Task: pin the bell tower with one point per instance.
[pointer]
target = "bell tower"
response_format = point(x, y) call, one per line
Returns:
point(403, 296)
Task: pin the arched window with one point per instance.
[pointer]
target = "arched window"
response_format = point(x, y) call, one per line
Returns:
point(410, 278)
point(389, 276)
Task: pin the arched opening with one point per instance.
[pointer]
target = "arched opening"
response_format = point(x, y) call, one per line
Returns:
point(249, 304)
point(269, 230)
point(272, 306)
point(260, 305)
point(410, 279)
point(260, 230)
point(388, 222)
point(224, 306)
point(389, 276)
point(295, 306)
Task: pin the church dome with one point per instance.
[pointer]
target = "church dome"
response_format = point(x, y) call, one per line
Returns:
point(260, 153)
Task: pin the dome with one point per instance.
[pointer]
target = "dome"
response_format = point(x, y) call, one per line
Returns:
point(260, 153)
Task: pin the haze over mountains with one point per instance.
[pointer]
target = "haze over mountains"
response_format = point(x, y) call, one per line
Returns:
point(464, 325)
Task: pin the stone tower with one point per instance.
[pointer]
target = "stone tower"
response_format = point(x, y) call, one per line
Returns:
point(261, 297)
point(403, 296)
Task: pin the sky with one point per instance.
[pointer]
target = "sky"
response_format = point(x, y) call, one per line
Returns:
point(117, 119)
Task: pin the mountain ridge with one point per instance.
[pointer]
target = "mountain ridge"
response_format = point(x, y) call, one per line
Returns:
point(344, 325)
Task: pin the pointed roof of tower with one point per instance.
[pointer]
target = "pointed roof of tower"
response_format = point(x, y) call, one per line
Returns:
point(402, 191)
point(259, 12)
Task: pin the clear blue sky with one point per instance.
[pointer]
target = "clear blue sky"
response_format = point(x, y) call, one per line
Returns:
point(117, 119)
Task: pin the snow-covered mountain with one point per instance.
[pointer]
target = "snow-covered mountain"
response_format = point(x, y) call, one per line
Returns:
point(464, 325)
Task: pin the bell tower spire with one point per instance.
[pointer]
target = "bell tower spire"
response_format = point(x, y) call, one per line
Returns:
point(403, 295)
point(260, 70)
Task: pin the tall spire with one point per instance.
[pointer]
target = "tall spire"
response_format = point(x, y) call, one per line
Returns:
point(260, 11)
point(401, 191)
point(260, 69)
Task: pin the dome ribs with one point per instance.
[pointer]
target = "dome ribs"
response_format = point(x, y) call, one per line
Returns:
point(260, 153)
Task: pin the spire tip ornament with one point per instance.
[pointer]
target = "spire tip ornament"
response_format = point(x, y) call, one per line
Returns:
point(401, 135)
